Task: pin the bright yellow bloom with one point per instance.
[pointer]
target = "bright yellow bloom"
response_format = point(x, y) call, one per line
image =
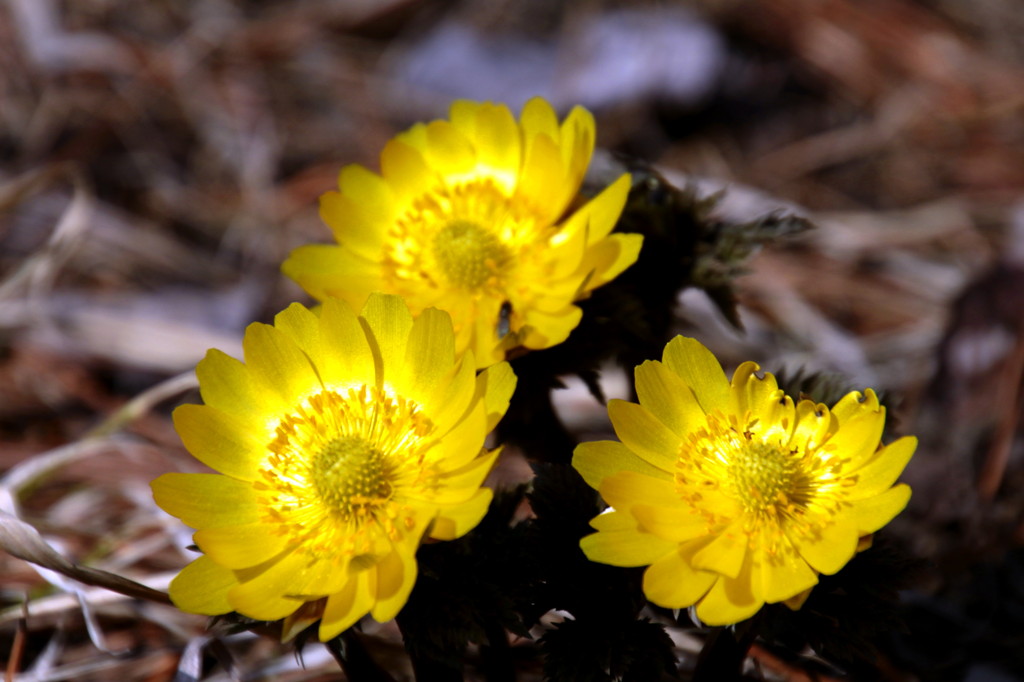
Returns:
point(731, 493)
point(343, 441)
point(465, 217)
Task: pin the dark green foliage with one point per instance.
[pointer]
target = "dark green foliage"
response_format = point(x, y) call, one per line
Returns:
point(687, 244)
point(721, 659)
point(564, 505)
point(355, 660)
point(581, 651)
point(468, 590)
point(821, 387)
point(848, 613)
point(605, 641)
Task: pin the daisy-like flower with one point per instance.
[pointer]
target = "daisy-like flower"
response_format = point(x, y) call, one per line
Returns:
point(732, 494)
point(341, 443)
point(469, 216)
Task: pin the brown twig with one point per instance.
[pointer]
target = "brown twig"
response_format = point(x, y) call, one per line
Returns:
point(994, 467)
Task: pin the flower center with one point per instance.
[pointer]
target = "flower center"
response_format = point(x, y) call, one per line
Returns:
point(464, 237)
point(351, 476)
point(727, 469)
point(764, 478)
point(337, 468)
point(469, 255)
point(738, 468)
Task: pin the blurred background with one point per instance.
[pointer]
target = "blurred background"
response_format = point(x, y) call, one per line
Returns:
point(158, 160)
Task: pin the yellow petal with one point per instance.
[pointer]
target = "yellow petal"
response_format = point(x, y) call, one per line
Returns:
point(354, 224)
point(538, 118)
point(673, 583)
point(774, 420)
point(221, 441)
point(784, 573)
point(277, 364)
point(458, 485)
point(547, 329)
point(731, 600)
point(576, 141)
point(665, 396)
point(225, 383)
point(409, 175)
point(370, 191)
point(853, 404)
point(454, 521)
point(796, 602)
point(415, 137)
point(464, 442)
point(496, 385)
point(347, 359)
point(463, 115)
point(625, 548)
point(564, 260)
point(346, 607)
point(498, 144)
point(612, 520)
point(449, 152)
point(483, 337)
point(264, 597)
point(312, 578)
point(429, 359)
point(813, 423)
point(644, 434)
point(542, 179)
point(858, 436)
point(326, 270)
point(202, 587)
point(752, 394)
point(726, 553)
point(557, 299)
point(607, 259)
point(623, 489)
point(240, 546)
point(603, 212)
point(206, 500)
point(831, 548)
point(883, 469)
point(452, 398)
point(388, 324)
point(598, 459)
point(396, 576)
point(303, 327)
point(701, 371)
point(672, 524)
point(873, 513)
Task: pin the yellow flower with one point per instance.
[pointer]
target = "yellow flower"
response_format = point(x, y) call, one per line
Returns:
point(341, 443)
point(733, 495)
point(465, 217)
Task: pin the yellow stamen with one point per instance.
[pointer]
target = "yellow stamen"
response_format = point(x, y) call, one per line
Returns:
point(774, 486)
point(335, 468)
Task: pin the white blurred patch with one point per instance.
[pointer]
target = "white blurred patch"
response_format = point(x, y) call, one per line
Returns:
point(974, 351)
point(620, 57)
